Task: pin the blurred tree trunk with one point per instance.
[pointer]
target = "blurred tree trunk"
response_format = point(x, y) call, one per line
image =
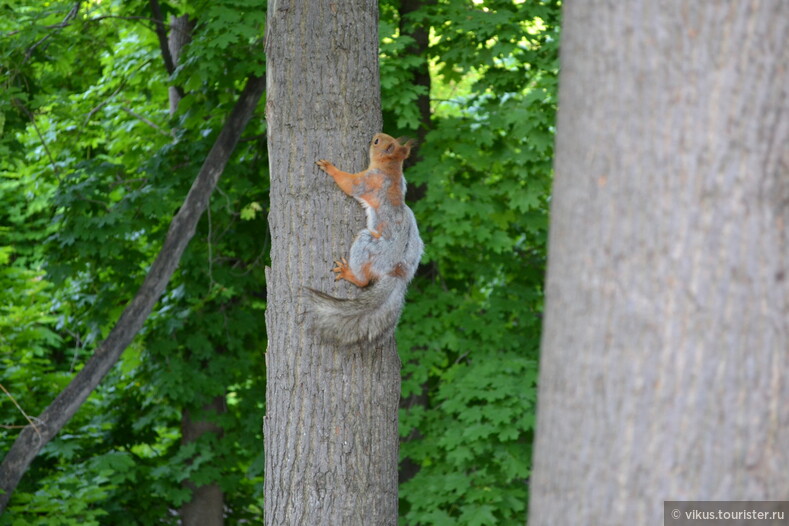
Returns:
point(420, 33)
point(207, 506)
point(665, 365)
point(331, 442)
point(180, 35)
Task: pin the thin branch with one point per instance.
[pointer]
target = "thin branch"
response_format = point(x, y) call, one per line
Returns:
point(58, 27)
point(133, 18)
point(78, 346)
point(106, 101)
point(30, 421)
point(32, 118)
point(209, 242)
point(96, 202)
point(94, 19)
point(126, 182)
point(103, 103)
point(145, 120)
point(99, 18)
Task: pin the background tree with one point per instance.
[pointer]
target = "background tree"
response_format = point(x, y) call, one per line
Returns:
point(471, 330)
point(331, 438)
point(664, 365)
point(92, 167)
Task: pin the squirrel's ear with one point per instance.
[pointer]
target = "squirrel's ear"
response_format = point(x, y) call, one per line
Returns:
point(390, 148)
point(410, 143)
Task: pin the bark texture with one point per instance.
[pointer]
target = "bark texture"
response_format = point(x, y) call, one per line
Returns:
point(665, 365)
point(182, 228)
point(331, 441)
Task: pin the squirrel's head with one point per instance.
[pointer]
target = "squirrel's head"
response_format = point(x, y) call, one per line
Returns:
point(384, 147)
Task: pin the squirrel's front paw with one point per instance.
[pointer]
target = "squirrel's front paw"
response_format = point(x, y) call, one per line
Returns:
point(324, 165)
point(342, 269)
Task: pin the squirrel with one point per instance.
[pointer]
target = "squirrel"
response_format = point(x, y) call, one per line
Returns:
point(383, 257)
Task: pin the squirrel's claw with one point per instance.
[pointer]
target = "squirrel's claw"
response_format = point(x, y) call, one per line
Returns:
point(323, 164)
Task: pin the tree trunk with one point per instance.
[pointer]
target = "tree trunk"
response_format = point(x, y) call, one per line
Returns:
point(207, 506)
point(665, 354)
point(420, 34)
point(180, 35)
point(331, 441)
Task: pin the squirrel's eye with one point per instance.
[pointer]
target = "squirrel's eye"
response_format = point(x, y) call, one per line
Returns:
point(375, 142)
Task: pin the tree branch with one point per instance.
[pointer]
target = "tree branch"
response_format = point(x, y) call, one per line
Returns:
point(16, 102)
point(145, 120)
point(182, 228)
point(161, 33)
point(29, 420)
point(69, 16)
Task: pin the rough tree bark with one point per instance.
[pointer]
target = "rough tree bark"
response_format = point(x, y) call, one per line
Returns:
point(31, 439)
point(331, 441)
point(665, 365)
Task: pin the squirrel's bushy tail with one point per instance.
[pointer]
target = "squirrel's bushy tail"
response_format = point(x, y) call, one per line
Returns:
point(371, 315)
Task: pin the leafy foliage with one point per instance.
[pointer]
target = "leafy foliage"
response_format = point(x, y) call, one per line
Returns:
point(471, 330)
point(96, 167)
point(92, 168)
